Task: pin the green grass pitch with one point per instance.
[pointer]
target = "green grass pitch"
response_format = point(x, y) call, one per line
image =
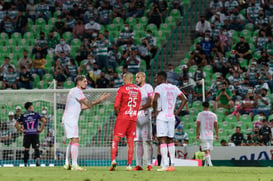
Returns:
point(103, 174)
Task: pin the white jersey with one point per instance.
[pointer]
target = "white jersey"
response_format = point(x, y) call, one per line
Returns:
point(146, 93)
point(166, 102)
point(207, 120)
point(73, 105)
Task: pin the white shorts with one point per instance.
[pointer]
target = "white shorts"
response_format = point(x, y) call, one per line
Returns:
point(143, 129)
point(71, 130)
point(165, 128)
point(206, 144)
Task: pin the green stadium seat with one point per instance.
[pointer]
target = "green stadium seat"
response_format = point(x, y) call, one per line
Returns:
point(151, 27)
point(16, 35)
point(52, 21)
point(68, 84)
point(131, 21)
point(143, 20)
point(119, 22)
point(170, 20)
point(28, 35)
point(175, 13)
point(245, 118)
point(68, 36)
point(4, 36)
point(76, 42)
point(165, 27)
point(40, 22)
point(112, 27)
point(197, 105)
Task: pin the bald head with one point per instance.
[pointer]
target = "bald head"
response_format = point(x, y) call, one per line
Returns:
point(128, 78)
point(140, 78)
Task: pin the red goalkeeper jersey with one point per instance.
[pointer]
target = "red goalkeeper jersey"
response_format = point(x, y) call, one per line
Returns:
point(127, 102)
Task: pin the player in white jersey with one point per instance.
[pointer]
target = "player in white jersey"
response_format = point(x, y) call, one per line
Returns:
point(143, 140)
point(206, 121)
point(75, 103)
point(164, 111)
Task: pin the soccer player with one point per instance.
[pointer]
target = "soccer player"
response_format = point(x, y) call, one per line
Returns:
point(75, 103)
point(126, 107)
point(163, 109)
point(28, 123)
point(143, 139)
point(206, 121)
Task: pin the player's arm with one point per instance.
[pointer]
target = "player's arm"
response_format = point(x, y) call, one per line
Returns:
point(88, 104)
point(184, 100)
point(216, 130)
point(19, 127)
point(197, 130)
point(43, 120)
point(155, 111)
point(147, 105)
point(117, 102)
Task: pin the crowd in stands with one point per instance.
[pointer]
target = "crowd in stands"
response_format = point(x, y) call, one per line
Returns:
point(232, 51)
point(64, 38)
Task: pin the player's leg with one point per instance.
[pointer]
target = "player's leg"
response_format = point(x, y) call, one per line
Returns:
point(162, 136)
point(147, 140)
point(26, 144)
point(207, 152)
point(67, 165)
point(36, 145)
point(139, 146)
point(130, 135)
point(114, 148)
point(171, 146)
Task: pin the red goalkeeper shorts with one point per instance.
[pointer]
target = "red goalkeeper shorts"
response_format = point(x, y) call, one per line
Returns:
point(125, 127)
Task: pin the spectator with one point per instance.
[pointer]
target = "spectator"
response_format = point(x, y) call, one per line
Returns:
point(201, 27)
point(21, 23)
point(42, 10)
point(40, 46)
point(4, 66)
point(247, 105)
point(215, 6)
point(125, 36)
point(84, 51)
point(262, 103)
point(62, 47)
point(100, 49)
point(31, 10)
point(155, 15)
point(102, 82)
point(7, 25)
point(76, 12)
point(118, 9)
point(197, 92)
point(69, 22)
point(25, 79)
point(223, 98)
point(176, 4)
point(207, 46)
point(225, 143)
point(252, 74)
point(78, 30)
point(38, 65)
point(219, 62)
point(104, 13)
point(67, 7)
point(242, 49)
point(5, 135)
point(10, 79)
point(259, 119)
point(59, 25)
point(265, 133)
point(118, 82)
point(89, 12)
point(71, 69)
point(261, 40)
point(18, 110)
point(95, 73)
point(163, 8)
point(249, 141)
point(252, 12)
point(25, 61)
point(229, 5)
point(59, 76)
point(133, 61)
point(172, 77)
point(92, 27)
point(48, 145)
point(197, 57)
point(238, 138)
point(114, 57)
point(225, 39)
point(52, 41)
point(260, 20)
point(136, 9)
point(236, 20)
point(181, 138)
point(48, 118)
point(86, 65)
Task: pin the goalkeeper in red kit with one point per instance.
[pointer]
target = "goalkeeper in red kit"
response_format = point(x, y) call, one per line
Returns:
point(126, 107)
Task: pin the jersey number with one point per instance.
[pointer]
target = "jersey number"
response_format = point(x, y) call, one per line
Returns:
point(132, 102)
point(209, 125)
point(30, 125)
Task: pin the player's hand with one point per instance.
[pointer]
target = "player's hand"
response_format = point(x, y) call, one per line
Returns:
point(103, 97)
point(197, 138)
point(40, 130)
point(154, 114)
point(217, 138)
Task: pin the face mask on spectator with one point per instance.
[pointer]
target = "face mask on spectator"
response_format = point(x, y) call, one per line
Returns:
point(92, 22)
point(62, 42)
point(206, 39)
point(126, 28)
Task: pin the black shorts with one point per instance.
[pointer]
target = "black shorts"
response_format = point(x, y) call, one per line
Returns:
point(31, 140)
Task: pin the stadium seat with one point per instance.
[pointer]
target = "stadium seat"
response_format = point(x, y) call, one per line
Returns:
point(175, 13)
point(68, 84)
point(68, 36)
point(151, 27)
point(132, 21)
point(165, 27)
point(4, 36)
point(197, 105)
point(118, 21)
point(170, 20)
point(143, 20)
point(75, 42)
point(245, 118)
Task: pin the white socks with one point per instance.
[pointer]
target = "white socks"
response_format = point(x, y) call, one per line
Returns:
point(139, 153)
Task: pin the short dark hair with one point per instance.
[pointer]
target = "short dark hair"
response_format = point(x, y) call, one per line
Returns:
point(79, 78)
point(205, 104)
point(27, 105)
point(162, 74)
